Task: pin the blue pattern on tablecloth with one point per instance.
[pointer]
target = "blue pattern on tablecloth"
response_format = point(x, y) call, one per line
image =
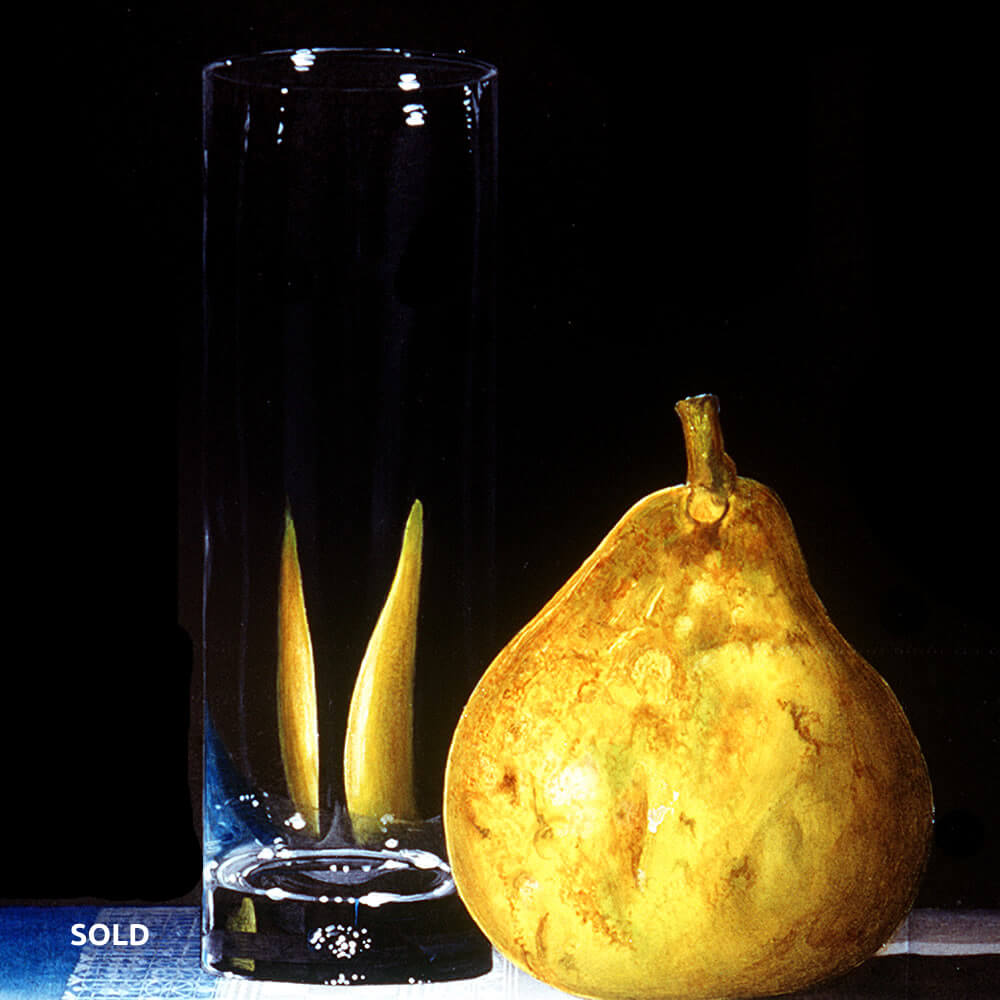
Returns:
point(167, 967)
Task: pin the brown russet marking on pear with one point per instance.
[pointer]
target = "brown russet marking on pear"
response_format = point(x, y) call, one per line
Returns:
point(632, 820)
point(508, 784)
point(588, 909)
point(783, 944)
point(742, 874)
point(472, 820)
point(540, 946)
point(802, 717)
point(658, 729)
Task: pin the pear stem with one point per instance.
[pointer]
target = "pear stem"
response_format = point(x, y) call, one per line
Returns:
point(710, 471)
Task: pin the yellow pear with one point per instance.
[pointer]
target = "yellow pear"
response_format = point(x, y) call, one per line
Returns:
point(679, 780)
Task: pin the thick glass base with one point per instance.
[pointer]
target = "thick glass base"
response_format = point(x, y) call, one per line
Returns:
point(341, 917)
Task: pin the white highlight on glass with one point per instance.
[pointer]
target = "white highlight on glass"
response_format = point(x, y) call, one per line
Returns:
point(414, 114)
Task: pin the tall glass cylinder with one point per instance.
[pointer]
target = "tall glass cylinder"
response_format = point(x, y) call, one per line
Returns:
point(348, 504)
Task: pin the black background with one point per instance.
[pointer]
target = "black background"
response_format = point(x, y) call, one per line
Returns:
point(800, 229)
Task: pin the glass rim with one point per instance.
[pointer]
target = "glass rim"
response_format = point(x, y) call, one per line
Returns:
point(290, 69)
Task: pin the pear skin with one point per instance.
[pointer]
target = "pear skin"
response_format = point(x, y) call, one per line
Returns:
point(679, 780)
point(298, 729)
point(378, 747)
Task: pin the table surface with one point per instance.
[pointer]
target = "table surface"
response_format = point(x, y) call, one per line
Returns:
point(935, 954)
